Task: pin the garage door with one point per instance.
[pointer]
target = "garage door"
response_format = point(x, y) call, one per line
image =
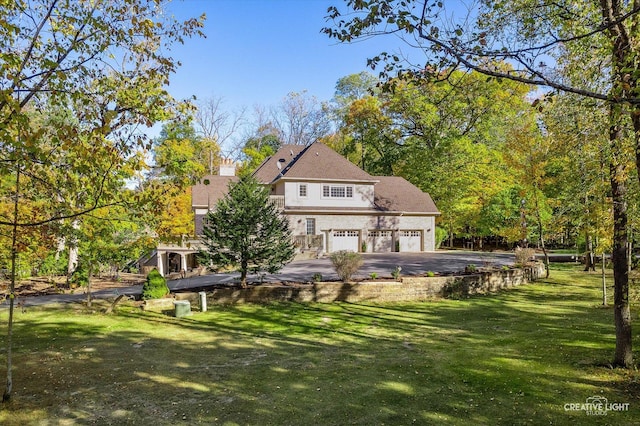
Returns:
point(346, 240)
point(410, 240)
point(379, 241)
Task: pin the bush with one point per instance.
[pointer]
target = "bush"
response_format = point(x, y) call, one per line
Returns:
point(524, 256)
point(441, 236)
point(54, 265)
point(396, 273)
point(155, 287)
point(317, 277)
point(346, 263)
point(80, 276)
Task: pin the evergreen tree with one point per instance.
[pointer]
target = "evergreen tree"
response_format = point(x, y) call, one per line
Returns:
point(246, 231)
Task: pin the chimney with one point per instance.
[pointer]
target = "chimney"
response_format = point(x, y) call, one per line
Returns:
point(227, 167)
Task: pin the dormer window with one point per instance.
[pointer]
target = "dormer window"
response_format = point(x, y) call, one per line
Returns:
point(337, 191)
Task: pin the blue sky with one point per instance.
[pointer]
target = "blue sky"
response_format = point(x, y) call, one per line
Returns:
point(257, 51)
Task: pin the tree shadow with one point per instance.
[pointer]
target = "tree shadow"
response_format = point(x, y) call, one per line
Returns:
point(513, 357)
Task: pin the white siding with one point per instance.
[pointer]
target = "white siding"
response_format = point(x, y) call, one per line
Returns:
point(362, 196)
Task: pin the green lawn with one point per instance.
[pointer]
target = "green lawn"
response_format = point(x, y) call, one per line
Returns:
point(511, 358)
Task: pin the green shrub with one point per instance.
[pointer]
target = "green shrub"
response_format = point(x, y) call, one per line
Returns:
point(346, 263)
point(155, 287)
point(317, 277)
point(431, 274)
point(373, 275)
point(396, 273)
point(470, 268)
point(441, 236)
point(54, 265)
point(80, 276)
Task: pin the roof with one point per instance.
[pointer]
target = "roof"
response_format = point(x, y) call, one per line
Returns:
point(395, 193)
point(319, 162)
point(316, 161)
point(210, 189)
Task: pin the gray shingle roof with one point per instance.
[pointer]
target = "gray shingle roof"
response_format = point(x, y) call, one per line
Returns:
point(206, 195)
point(395, 193)
point(317, 161)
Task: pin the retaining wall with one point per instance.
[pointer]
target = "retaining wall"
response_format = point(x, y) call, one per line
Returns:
point(407, 289)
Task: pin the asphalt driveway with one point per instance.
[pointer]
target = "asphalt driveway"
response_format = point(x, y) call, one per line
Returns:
point(381, 264)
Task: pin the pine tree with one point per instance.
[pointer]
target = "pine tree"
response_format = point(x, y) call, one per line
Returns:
point(246, 231)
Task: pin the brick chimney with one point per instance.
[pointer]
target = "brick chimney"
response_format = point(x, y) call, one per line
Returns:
point(227, 167)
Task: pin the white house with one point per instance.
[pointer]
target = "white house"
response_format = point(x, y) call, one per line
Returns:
point(332, 204)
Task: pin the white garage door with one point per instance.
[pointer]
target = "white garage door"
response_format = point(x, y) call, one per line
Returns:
point(346, 240)
point(410, 240)
point(379, 241)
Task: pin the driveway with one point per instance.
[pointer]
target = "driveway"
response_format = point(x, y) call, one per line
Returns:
point(381, 264)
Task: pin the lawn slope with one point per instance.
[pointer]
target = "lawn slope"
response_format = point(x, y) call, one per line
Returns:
point(516, 357)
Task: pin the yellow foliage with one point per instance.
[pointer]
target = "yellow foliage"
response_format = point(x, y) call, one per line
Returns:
point(177, 219)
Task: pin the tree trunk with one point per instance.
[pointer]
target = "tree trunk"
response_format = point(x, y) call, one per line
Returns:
point(450, 234)
point(89, 271)
point(623, 58)
point(589, 263)
point(604, 281)
point(541, 232)
point(12, 288)
point(244, 266)
point(622, 314)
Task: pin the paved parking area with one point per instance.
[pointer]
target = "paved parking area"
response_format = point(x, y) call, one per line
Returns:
point(380, 263)
point(302, 271)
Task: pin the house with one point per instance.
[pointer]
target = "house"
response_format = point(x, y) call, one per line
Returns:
point(332, 204)
point(175, 258)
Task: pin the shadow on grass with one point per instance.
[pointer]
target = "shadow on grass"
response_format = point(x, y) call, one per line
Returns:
point(515, 357)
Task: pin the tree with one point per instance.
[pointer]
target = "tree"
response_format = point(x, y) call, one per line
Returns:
point(109, 237)
point(371, 140)
point(97, 67)
point(246, 231)
point(445, 137)
point(178, 154)
point(181, 158)
point(217, 128)
point(550, 44)
point(300, 119)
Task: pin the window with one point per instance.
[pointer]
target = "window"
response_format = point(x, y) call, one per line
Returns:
point(311, 226)
point(302, 190)
point(346, 233)
point(379, 234)
point(337, 191)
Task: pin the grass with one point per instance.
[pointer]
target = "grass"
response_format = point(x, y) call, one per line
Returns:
point(516, 357)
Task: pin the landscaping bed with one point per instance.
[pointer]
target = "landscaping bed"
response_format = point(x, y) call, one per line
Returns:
point(41, 286)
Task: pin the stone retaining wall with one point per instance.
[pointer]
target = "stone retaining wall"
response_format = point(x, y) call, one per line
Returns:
point(408, 289)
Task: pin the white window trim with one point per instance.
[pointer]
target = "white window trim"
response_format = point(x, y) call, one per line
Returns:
point(308, 221)
point(306, 190)
point(348, 191)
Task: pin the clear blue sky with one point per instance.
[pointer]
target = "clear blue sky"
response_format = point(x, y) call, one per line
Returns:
point(257, 51)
